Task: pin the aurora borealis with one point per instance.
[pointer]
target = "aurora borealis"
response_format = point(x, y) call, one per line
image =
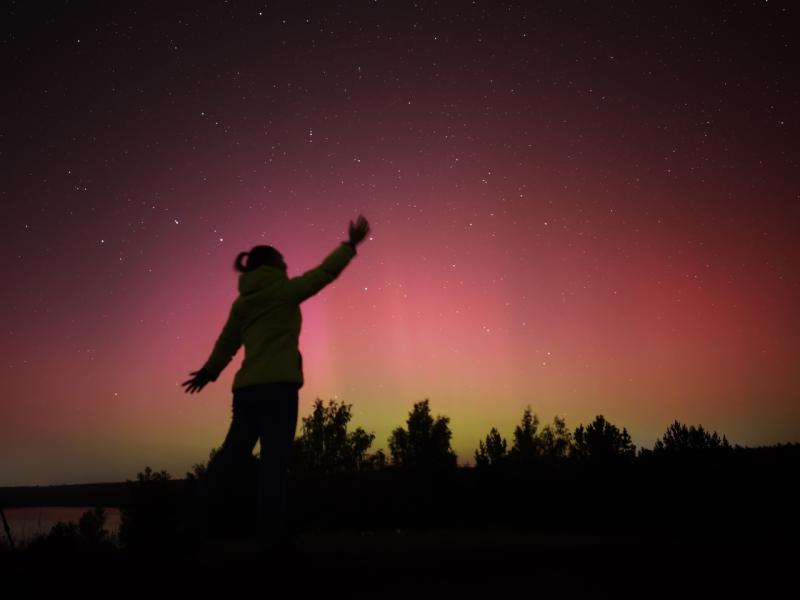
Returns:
point(585, 208)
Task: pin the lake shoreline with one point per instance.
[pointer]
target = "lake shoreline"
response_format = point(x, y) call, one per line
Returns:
point(111, 495)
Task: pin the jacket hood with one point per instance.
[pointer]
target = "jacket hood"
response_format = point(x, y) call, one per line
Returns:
point(257, 279)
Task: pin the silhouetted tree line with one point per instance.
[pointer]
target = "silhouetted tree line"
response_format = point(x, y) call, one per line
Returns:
point(546, 477)
point(543, 477)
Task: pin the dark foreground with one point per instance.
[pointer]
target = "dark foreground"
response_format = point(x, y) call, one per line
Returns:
point(712, 523)
point(426, 564)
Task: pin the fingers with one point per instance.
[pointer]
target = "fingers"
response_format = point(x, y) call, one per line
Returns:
point(195, 384)
point(359, 229)
point(361, 225)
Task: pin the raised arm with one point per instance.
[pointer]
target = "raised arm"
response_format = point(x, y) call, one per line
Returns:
point(299, 289)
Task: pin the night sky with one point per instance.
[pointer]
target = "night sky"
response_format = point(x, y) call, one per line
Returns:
point(588, 208)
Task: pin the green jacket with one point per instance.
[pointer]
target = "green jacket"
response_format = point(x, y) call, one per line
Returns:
point(266, 319)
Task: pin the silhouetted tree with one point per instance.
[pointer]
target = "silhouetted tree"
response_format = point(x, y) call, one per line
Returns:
point(148, 475)
point(63, 538)
point(153, 515)
point(92, 526)
point(555, 440)
point(493, 452)
point(681, 439)
point(359, 442)
point(525, 447)
point(326, 446)
point(601, 440)
point(199, 469)
point(87, 535)
point(425, 444)
point(377, 460)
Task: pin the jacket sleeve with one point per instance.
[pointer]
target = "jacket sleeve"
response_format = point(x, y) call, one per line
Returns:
point(226, 347)
point(309, 283)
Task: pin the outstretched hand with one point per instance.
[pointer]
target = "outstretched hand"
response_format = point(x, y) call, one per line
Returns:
point(359, 230)
point(198, 382)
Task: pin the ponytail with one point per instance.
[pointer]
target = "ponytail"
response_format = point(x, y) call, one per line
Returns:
point(238, 265)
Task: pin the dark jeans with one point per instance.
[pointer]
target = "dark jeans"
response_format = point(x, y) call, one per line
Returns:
point(265, 412)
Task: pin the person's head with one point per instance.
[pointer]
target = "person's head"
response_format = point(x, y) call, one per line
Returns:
point(258, 256)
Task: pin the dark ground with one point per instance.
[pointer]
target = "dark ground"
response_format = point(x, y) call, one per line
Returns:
point(703, 526)
point(430, 564)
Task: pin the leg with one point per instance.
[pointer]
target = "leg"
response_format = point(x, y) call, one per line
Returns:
point(278, 424)
point(227, 470)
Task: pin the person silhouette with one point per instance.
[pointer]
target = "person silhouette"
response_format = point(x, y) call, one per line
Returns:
point(266, 319)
